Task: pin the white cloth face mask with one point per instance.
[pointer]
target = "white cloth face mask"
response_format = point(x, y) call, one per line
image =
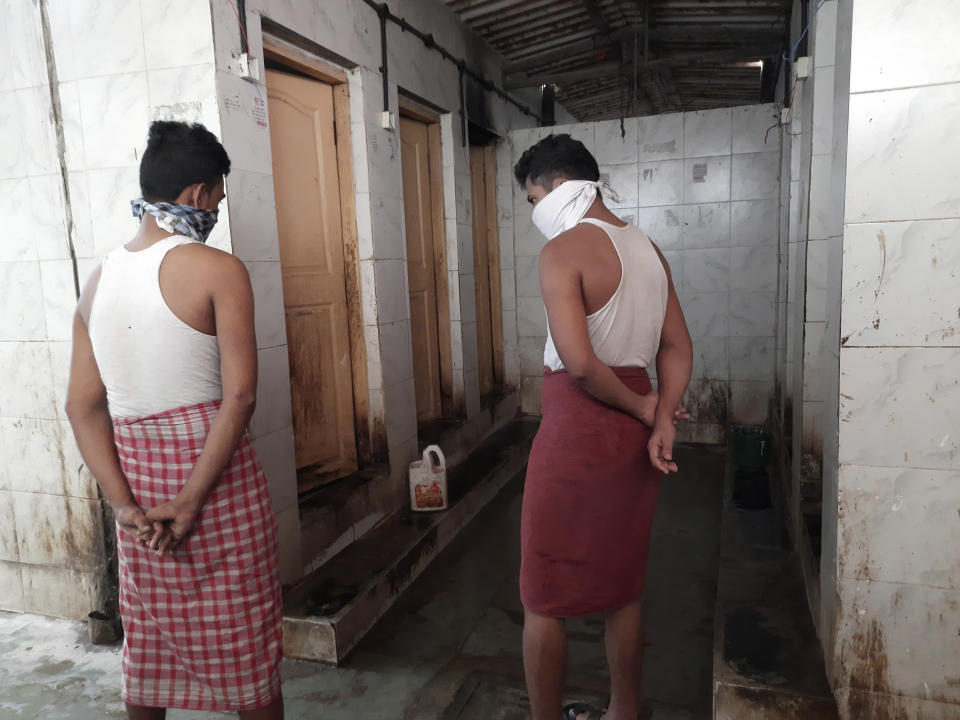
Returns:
point(564, 206)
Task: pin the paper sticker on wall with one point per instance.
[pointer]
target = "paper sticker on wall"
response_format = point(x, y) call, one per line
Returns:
point(699, 172)
point(259, 112)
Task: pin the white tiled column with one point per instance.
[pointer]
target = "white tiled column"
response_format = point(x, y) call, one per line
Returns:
point(898, 452)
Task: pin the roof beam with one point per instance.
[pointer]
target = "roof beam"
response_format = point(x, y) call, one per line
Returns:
point(611, 69)
point(593, 7)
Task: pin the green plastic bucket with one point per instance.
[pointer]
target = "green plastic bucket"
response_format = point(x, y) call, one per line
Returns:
point(751, 447)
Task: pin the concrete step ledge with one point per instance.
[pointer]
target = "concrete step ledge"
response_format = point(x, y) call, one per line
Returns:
point(382, 564)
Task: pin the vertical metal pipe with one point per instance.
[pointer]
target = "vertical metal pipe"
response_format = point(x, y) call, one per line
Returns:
point(242, 13)
point(383, 11)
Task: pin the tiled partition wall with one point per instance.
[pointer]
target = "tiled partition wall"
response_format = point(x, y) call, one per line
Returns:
point(897, 643)
point(705, 188)
point(109, 79)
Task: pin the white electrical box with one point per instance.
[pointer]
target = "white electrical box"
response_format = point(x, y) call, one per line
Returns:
point(802, 67)
point(244, 66)
point(388, 121)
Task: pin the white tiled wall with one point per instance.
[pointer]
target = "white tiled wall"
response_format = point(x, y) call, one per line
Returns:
point(719, 236)
point(897, 455)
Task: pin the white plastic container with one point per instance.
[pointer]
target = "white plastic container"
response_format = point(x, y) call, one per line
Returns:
point(428, 481)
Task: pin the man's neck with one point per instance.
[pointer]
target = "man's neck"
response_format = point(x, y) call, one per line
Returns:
point(599, 211)
point(149, 234)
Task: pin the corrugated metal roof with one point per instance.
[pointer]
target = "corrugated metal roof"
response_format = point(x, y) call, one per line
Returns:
point(692, 54)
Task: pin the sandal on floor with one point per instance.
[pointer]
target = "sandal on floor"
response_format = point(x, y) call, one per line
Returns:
point(582, 711)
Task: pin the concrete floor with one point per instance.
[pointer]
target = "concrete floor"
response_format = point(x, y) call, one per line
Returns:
point(450, 648)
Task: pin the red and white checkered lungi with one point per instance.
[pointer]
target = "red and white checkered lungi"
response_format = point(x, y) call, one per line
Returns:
point(201, 625)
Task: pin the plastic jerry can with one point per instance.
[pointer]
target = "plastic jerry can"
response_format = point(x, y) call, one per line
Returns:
point(428, 481)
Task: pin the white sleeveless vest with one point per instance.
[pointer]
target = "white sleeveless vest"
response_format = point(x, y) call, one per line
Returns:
point(150, 360)
point(626, 331)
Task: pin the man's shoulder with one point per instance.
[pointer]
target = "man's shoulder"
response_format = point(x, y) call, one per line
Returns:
point(209, 262)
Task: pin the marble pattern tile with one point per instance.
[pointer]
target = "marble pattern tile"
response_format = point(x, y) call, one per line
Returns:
point(750, 400)
point(110, 193)
point(895, 525)
point(707, 179)
point(107, 36)
point(625, 181)
point(899, 43)
point(531, 355)
point(510, 335)
point(504, 204)
point(883, 391)
point(115, 114)
point(60, 592)
point(274, 410)
point(707, 133)
point(661, 137)
point(825, 34)
point(821, 199)
point(892, 137)
point(37, 132)
point(59, 298)
point(246, 141)
point(368, 292)
point(393, 296)
point(851, 701)
point(35, 463)
point(913, 627)
point(21, 298)
point(12, 149)
point(755, 176)
point(386, 217)
point(528, 277)
point(22, 34)
point(751, 358)
point(400, 411)
point(531, 317)
point(662, 225)
point(880, 258)
point(253, 212)
point(395, 344)
point(465, 248)
point(468, 298)
point(187, 21)
point(753, 269)
point(706, 226)
point(707, 314)
point(72, 122)
point(48, 225)
point(371, 341)
point(816, 292)
point(752, 314)
point(756, 128)
point(706, 271)
point(614, 148)
point(80, 210)
point(823, 94)
point(530, 392)
point(469, 330)
point(711, 358)
point(661, 183)
point(9, 552)
point(269, 316)
point(508, 289)
point(72, 532)
point(507, 250)
point(754, 222)
point(17, 210)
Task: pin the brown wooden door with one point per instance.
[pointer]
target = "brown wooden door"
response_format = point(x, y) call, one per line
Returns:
point(306, 186)
point(486, 264)
point(421, 266)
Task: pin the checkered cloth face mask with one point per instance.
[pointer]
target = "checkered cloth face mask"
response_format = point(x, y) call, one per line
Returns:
point(181, 219)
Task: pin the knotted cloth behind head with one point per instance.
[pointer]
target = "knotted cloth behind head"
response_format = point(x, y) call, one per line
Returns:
point(564, 206)
point(174, 218)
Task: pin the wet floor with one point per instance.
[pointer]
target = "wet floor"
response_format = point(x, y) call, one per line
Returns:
point(450, 648)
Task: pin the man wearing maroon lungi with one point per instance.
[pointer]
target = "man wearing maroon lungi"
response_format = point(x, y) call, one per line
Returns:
point(606, 436)
point(162, 387)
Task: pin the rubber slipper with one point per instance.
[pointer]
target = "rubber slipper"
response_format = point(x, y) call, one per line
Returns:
point(582, 711)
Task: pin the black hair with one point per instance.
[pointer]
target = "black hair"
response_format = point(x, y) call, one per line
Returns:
point(179, 155)
point(554, 157)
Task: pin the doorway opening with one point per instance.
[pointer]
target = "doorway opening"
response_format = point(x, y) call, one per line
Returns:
point(308, 103)
point(421, 161)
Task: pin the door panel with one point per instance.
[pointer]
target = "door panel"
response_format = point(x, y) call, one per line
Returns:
point(486, 263)
point(306, 186)
point(421, 267)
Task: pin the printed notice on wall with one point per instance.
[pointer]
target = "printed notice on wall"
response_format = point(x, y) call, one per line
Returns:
point(259, 112)
point(699, 172)
point(231, 102)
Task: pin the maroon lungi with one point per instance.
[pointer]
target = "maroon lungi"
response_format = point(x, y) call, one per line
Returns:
point(588, 503)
